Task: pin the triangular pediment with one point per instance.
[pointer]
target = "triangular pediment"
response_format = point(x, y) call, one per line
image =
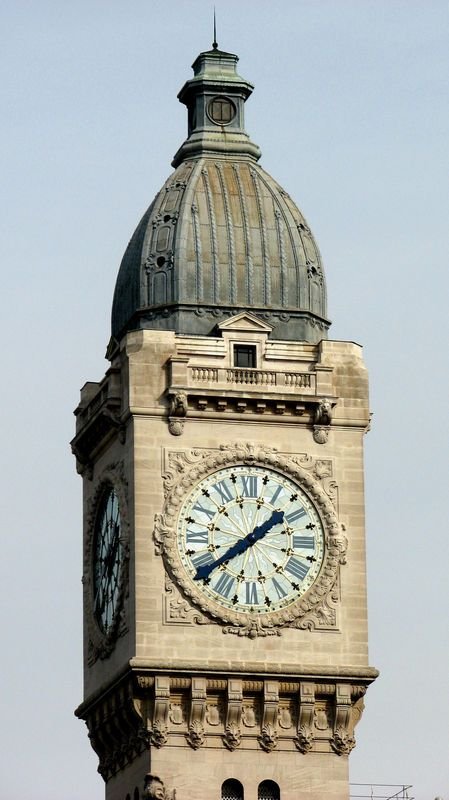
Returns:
point(245, 322)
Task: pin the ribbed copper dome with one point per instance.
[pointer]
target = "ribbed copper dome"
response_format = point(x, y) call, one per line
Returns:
point(221, 236)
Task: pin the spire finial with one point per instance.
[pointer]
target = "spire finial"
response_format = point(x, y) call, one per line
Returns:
point(215, 43)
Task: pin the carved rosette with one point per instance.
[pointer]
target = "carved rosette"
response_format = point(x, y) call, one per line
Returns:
point(100, 644)
point(317, 605)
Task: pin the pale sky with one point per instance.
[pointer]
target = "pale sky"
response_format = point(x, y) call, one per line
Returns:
point(350, 109)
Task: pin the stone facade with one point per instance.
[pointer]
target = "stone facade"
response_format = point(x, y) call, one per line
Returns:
point(174, 688)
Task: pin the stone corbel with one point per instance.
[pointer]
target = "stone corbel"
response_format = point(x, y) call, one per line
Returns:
point(268, 739)
point(232, 736)
point(161, 710)
point(343, 740)
point(195, 736)
point(177, 412)
point(322, 419)
point(304, 735)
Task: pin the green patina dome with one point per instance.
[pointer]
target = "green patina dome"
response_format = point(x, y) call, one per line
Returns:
point(221, 236)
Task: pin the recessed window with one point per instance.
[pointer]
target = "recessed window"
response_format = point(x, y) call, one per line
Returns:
point(232, 790)
point(245, 355)
point(268, 790)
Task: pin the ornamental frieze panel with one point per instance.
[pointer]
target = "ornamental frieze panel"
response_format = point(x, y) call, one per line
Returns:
point(158, 711)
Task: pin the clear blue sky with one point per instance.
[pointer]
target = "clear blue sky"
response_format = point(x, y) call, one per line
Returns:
point(351, 112)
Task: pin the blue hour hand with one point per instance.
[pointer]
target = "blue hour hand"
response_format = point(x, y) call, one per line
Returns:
point(241, 546)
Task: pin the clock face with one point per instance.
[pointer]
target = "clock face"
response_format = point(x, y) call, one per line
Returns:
point(107, 560)
point(250, 539)
point(221, 110)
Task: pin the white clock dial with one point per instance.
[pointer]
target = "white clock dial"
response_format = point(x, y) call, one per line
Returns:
point(250, 539)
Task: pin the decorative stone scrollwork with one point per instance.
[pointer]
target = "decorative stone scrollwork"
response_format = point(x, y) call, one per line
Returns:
point(252, 630)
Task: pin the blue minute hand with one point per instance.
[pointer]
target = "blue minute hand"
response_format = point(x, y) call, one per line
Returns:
point(241, 546)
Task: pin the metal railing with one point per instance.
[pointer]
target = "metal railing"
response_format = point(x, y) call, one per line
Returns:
point(380, 791)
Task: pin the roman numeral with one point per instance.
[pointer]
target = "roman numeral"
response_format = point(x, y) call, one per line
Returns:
point(200, 508)
point(251, 597)
point(224, 491)
point(249, 486)
point(224, 584)
point(294, 515)
point(307, 542)
point(296, 568)
point(280, 591)
point(201, 537)
point(276, 495)
point(202, 559)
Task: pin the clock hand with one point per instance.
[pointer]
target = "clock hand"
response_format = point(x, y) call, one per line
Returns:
point(110, 557)
point(241, 546)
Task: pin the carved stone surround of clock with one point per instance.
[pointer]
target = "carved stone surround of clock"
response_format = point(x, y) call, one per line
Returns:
point(313, 602)
point(100, 640)
point(314, 713)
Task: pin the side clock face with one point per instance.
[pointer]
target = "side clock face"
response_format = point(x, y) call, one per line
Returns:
point(250, 539)
point(107, 561)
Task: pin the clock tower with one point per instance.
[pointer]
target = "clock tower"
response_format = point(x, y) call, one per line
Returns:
point(225, 624)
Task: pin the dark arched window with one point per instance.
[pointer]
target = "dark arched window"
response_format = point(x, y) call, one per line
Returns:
point(136, 794)
point(232, 790)
point(128, 796)
point(268, 790)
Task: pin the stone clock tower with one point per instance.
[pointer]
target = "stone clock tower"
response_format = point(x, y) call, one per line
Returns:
point(225, 630)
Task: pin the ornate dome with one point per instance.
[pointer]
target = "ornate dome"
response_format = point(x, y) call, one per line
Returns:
point(221, 236)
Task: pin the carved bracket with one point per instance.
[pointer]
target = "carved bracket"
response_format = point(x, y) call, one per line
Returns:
point(322, 420)
point(196, 737)
point(268, 739)
point(177, 412)
point(232, 737)
point(159, 730)
point(343, 740)
point(304, 736)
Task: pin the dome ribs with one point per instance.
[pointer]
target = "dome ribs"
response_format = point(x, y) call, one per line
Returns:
point(247, 238)
point(263, 231)
point(215, 289)
point(232, 290)
point(198, 254)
